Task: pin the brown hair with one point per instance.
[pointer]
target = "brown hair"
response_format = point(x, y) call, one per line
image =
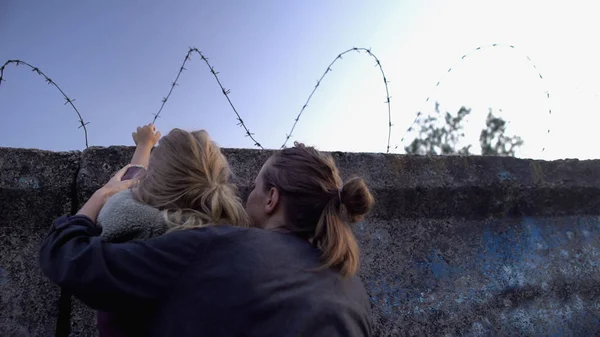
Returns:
point(317, 205)
point(188, 179)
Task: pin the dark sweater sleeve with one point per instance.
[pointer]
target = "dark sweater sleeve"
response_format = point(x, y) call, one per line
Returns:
point(109, 276)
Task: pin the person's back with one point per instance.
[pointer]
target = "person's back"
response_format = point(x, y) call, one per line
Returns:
point(295, 276)
point(259, 283)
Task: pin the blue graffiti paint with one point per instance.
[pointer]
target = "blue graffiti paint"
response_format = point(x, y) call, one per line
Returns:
point(3, 276)
point(519, 256)
point(381, 237)
point(31, 182)
point(508, 255)
point(499, 250)
point(438, 267)
point(504, 175)
point(547, 235)
point(387, 295)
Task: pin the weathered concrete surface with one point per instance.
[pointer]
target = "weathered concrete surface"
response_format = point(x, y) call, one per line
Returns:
point(456, 246)
point(414, 186)
point(35, 188)
point(97, 167)
point(529, 276)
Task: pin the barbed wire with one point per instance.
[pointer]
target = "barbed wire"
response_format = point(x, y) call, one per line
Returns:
point(339, 57)
point(69, 101)
point(241, 122)
point(494, 45)
point(225, 92)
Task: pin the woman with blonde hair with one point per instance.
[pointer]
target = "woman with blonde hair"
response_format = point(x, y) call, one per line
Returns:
point(181, 184)
point(294, 275)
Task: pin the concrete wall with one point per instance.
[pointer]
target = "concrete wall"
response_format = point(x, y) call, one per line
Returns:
point(456, 246)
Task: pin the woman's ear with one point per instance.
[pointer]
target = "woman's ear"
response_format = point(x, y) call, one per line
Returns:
point(273, 200)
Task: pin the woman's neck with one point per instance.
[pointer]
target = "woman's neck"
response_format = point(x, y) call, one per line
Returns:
point(275, 224)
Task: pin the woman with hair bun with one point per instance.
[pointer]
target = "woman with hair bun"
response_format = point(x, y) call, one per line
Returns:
point(292, 273)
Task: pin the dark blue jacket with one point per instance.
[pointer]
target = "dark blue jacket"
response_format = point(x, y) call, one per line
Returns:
point(213, 281)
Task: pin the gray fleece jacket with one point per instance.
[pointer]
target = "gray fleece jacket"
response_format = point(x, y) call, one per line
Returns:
point(123, 219)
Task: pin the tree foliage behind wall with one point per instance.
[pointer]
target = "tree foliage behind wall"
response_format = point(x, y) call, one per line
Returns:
point(441, 134)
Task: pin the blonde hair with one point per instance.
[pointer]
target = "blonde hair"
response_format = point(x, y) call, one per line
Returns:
point(188, 179)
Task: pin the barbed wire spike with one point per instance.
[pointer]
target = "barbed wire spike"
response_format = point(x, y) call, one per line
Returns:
point(225, 92)
point(329, 69)
point(49, 81)
point(461, 59)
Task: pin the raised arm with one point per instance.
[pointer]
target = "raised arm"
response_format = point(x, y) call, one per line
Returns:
point(145, 137)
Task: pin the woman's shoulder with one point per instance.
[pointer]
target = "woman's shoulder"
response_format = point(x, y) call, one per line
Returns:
point(245, 240)
point(228, 232)
point(243, 234)
point(207, 232)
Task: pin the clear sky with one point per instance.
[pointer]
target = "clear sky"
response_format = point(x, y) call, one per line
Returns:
point(118, 58)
